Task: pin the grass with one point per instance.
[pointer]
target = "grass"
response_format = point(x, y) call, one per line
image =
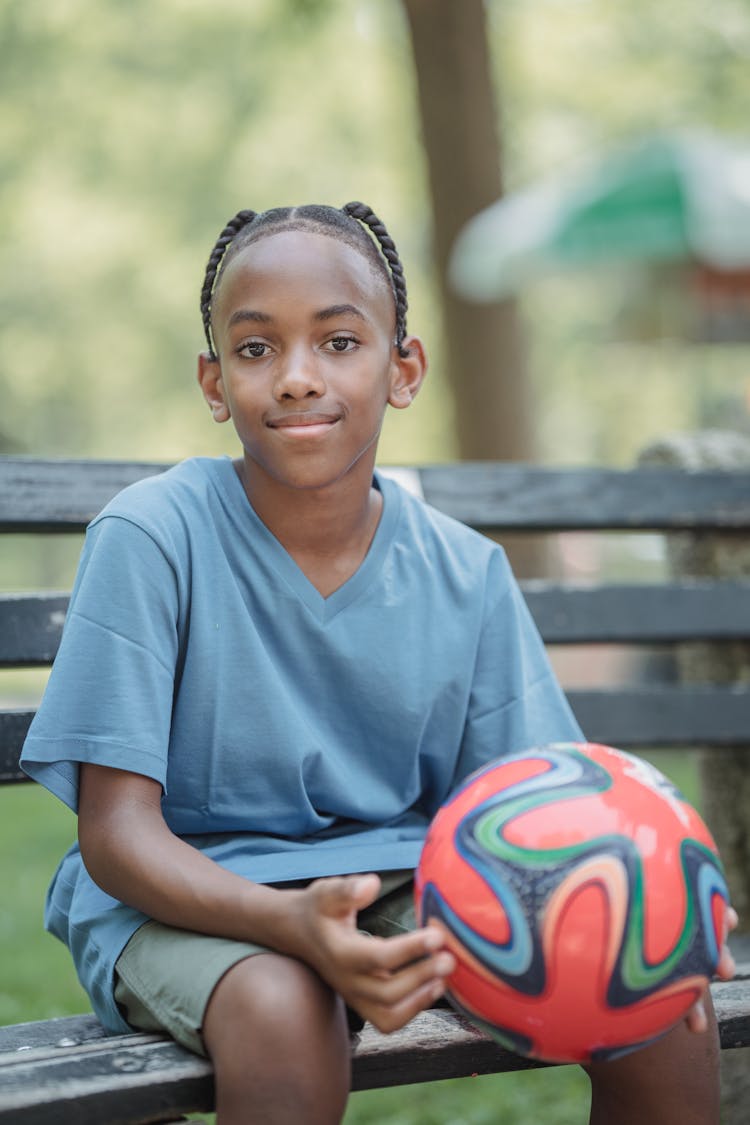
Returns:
point(558, 1094)
point(37, 980)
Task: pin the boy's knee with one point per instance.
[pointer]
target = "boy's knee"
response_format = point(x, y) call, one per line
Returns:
point(278, 1038)
point(268, 1002)
point(672, 1081)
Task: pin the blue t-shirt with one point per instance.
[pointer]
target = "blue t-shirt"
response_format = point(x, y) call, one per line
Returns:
point(294, 735)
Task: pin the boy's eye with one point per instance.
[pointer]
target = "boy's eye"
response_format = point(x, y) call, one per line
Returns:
point(342, 343)
point(253, 349)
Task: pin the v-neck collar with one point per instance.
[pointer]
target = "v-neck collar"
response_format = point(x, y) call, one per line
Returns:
point(324, 609)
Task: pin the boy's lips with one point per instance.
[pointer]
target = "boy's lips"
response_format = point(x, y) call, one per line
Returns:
point(304, 423)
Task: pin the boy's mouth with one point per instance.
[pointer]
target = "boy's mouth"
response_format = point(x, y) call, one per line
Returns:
point(305, 423)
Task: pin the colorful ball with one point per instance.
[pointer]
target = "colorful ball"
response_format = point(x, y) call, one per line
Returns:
point(582, 896)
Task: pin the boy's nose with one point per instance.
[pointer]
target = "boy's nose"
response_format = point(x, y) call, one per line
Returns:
point(300, 376)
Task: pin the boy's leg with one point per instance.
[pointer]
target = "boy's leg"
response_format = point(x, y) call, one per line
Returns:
point(299, 1069)
point(279, 1042)
point(674, 1081)
point(276, 1034)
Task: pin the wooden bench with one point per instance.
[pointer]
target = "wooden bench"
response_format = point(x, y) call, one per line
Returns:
point(46, 1066)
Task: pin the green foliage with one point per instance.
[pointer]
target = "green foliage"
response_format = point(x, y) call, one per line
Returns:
point(159, 122)
point(614, 360)
point(577, 73)
point(130, 133)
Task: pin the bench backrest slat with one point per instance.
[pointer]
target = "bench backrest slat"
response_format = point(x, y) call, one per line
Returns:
point(665, 715)
point(30, 628)
point(31, 624)
point(61, 496)
point(631, 717)
point(65, 495)
point(508, 496)
point(640, 614)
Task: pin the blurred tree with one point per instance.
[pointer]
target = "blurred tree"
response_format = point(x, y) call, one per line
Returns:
point(483, 344)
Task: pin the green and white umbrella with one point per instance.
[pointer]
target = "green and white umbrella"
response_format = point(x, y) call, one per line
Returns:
point(668, 197)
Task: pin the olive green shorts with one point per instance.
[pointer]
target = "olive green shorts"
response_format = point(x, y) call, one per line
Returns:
point(164, 977)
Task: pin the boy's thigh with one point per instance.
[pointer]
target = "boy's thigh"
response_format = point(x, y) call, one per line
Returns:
point(165, 976)
point(164, 979)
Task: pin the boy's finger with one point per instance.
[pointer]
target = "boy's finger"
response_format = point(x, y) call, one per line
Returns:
point(726, 967)
point(393, 988)
point(394, 953)
point(696, 1018)
point(387, 1018)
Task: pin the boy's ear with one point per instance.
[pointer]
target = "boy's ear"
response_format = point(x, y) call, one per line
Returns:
point(407, 372)
point(209, 377)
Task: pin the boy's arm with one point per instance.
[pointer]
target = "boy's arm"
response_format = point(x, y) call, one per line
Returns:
point(131, 853)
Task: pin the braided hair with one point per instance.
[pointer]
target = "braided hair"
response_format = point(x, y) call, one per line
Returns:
point(355, 223)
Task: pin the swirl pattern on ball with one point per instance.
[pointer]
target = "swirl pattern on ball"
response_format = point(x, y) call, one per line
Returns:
point(574, 875)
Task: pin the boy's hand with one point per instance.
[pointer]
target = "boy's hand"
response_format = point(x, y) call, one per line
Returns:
point(696, 1018)
point(386, 980)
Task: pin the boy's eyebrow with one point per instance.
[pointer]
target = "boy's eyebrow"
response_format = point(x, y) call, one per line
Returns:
point(339, 310)
point(248, 314)
point(240, 315)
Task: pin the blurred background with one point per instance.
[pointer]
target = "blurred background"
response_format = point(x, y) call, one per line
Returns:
point(130, 133)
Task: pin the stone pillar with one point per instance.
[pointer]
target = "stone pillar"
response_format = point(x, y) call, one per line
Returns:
point(724, 772)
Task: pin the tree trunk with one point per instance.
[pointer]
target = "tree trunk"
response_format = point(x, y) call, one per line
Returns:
point(725, 784)
point(483, 346)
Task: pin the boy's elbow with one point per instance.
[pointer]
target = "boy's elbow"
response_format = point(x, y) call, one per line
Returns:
point(93, 845)
point(117, 813)
point(103, 843)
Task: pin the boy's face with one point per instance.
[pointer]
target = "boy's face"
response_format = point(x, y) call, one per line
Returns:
point(304, 330)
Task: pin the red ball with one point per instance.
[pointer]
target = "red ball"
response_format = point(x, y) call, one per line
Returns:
point(582, 896)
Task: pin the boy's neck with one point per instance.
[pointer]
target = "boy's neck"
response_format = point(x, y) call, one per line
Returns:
point(327, 531)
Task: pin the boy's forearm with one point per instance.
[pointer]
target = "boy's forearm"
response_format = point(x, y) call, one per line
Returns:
point(130, 852)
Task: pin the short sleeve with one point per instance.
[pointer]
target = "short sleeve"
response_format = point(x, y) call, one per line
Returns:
point(109, 696)
point(516, 702)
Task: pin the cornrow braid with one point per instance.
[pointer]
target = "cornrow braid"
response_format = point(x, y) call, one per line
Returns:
point(355, 223)
point(368, 218)
point(233, 227)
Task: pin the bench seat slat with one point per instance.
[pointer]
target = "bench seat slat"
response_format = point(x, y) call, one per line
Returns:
point(132, 1079)
point(31, 624)
point(631, 718)
point(64, 495)
point(144, 1075)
